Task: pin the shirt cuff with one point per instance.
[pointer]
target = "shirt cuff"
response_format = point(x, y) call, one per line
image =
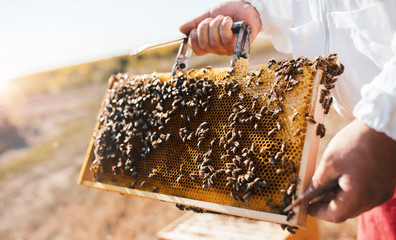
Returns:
point(276, 17)
point(377, 108)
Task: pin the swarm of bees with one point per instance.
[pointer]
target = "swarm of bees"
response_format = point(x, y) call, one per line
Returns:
point(225, 138)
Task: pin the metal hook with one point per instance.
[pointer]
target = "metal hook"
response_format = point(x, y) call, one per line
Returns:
point(183, 57)
point(242, 45)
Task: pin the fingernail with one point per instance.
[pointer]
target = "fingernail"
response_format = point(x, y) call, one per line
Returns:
point(227, 20)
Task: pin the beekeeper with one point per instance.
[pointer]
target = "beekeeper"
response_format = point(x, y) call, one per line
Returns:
point(363, 34)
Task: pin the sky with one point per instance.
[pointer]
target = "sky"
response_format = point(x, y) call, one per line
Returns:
point(41, 35)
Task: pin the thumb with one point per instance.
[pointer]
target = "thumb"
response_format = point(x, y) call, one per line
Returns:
point(190, 25)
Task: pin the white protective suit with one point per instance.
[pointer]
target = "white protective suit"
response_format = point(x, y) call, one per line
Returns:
point(361, 32)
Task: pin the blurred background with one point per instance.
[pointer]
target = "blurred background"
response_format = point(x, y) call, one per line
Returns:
point(55, 60)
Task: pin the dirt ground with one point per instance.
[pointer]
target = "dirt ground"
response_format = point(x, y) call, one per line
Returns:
point(44, 201)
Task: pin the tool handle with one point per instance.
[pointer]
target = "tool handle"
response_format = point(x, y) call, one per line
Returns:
point(314, 193)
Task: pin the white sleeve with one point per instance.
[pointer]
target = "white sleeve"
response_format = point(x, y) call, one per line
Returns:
point(276, 17)
point(377, 108)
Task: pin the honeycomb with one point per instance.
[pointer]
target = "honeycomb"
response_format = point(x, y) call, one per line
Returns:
point(232, 137)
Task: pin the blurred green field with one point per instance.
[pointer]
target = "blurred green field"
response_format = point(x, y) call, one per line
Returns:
point(53, 114)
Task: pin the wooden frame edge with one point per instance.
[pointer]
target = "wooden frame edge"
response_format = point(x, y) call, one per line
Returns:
point(264, 216)
point(310, 150)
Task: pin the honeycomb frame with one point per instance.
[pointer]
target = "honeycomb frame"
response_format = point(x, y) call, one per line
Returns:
point(312, 80)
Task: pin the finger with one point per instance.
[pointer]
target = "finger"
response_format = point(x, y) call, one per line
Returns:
point(215, 37)
point(341, 207)
point(326, 198)
point(193, 41)
point(228, 39)
point(337, 210)
point(203, 35)
point(326, 171)
point(187, 27)
point(253, 20)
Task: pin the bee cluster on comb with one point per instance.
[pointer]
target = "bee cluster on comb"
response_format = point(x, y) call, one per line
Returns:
point(225, 139)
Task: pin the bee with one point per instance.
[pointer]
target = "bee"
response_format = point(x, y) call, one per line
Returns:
point(154, 189)
point(294, 82)
point(293, 166)
point(271, 62)
point(268, 202)
point(283, 146)
point(272, 160)
point(190, 136)
point(231, 117)
point(153, 173)
point(292, 229)
point(239, 198)
point(233, 195)
point(133, 184)
point(284, 158)
point(281, 96)
point(143, 184)
point(240, 134)
point(283, 226)
point(325, 92)
point(272, 132)
point(263, 110)
point(259, 73)
point(241, 97)
point(193, 176)
point(180, 206)
point(254, 105)
point(197, 157)
point(278, 155)
point(332, 56)
point(291, 189)
point(191, 71)
point(278, 125)
point(253, 147)
point(279, 171)
point(247, 196)
point(297, 133)
point(294, 116)
point(327, 105)
point(213, 142)
point(320, 130)
point(290, 214)
point(310, 119)
point(178, 180)
point(199, 144)
point(262, 151)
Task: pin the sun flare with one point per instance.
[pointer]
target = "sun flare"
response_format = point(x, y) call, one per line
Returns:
point(5, 84)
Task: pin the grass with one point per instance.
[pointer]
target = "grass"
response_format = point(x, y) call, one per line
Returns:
point(46, 150)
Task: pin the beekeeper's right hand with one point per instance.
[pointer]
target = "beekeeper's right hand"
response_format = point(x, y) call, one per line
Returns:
point(211, 32)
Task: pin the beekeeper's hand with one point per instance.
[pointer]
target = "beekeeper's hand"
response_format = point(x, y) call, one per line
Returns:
point(364, 162)
point(211, 32)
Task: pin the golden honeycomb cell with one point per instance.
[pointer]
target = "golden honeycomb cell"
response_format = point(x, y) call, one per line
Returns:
point(225, 140)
